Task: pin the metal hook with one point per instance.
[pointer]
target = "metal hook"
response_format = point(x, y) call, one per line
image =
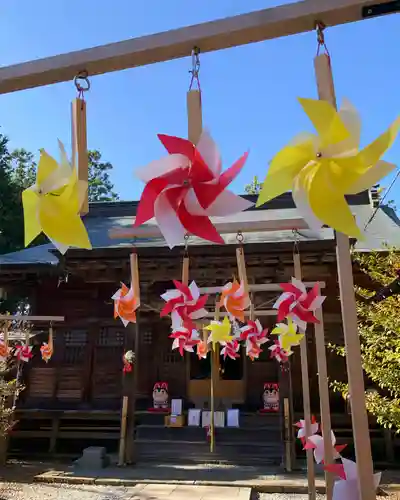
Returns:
point(82, 76)
point(195, 67)
point(240, 237)
point(296, 241)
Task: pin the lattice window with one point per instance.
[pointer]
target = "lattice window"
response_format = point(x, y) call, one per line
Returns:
point(148, 337)
point(110, 337)
point(75, 346)
point(172, 358)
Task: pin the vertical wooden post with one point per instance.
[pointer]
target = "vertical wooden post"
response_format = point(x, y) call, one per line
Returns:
point(122, 439)
point(355, 373)
point(241, 263)
point(324, 399)
point(79, 146)
point(214, 367)
point(185, 270)
point(306, 394)
point(195, 121)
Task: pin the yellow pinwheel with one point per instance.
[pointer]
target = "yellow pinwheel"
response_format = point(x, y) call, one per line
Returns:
point(220, 332)
point(52, 204)
point(288, 335)
point(321, 169)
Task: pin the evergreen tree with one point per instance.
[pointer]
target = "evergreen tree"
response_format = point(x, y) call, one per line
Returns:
point(100, 185)
point(379, 331)
point(254, 187)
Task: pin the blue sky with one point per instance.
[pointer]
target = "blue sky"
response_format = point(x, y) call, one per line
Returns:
point(249, 93)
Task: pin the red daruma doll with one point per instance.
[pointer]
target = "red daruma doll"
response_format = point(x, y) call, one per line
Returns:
point(271, 397)
point(160, 395)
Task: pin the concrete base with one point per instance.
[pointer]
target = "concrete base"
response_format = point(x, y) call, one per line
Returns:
point(94, 457)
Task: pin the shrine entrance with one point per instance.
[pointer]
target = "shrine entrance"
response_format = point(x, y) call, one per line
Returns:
point(229, 380)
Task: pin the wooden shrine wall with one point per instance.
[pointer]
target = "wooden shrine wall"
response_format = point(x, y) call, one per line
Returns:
point(87, 365)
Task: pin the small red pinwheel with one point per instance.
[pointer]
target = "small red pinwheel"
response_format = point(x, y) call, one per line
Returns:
point(316, 443)
point(254, 335)
point(23, 353)
point(187, 187)
point(230, 349)
point(297, 303)
point(281, 355)
point(185, 304)
point(184, 340)
point(301, 425)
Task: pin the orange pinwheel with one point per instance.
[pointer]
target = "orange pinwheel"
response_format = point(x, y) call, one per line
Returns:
point(125, 304)
point(4, 351)
point(235, 299)
point(202, 349)
point(46, 351)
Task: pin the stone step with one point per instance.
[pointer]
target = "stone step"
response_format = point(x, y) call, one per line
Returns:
point(225, 434)
point(186, 452)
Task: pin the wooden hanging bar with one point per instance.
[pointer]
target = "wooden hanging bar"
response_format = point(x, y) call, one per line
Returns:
point(267, 287)
point(195, 121)
point(21, 317)
point(241, 264)
point(362, 443)
point(152, 231)
point(267, 24)
point(305, 381)
point(79, 146)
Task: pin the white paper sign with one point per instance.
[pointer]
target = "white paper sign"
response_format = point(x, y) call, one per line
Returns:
point(219, 419)
point(194, 417)
point(232, 418)
point(176, 407)
point(206, 418)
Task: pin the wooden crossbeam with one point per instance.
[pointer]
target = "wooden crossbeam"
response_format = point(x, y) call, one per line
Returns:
point(243, 29)
point(266, 287)
point(153, 231)
point(22, 317)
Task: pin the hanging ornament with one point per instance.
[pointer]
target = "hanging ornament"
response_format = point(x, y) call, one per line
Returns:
point(202, 349)
point(235, 299)
point(125, 304)
point(230, 349)
point(316, 443)
point(288, 335)
point(46, 349)
point(301, 425)
point(185, 304)
point(298, 304)
point(220, 332)
point(321, 169)
point(128, 360)
point(187, 187)
point(184, 340)
point(53, 203)
point(277, 352)
point(23, 353)
point(254, 335)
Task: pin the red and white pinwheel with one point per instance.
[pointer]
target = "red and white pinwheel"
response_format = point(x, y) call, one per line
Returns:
point(187, 187)
point(316, 443)
point(184, 304)
point(235, 299)
point(254, 335)
point(125, 304)
point(4, 350)
point(23, 353)
point(277, 352)
point(297, 303)
point(301, 425)
point(230, 349)
point(184, 340)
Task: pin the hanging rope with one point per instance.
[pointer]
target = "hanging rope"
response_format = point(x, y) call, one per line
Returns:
point(320, 27)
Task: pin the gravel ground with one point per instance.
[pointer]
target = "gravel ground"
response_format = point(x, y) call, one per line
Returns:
point(13, 491)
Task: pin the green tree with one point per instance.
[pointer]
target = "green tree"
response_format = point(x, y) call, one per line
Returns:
point(23, 168)
point(100, 185)
point(379, 331)
point(254, 187)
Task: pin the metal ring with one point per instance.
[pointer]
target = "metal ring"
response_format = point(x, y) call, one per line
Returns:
point(239, 237)
point(82, 77)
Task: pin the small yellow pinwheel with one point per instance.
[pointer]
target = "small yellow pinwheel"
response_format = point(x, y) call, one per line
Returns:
point(288, 335)
point(52, 204)
point(220, 332)
point(321, 169)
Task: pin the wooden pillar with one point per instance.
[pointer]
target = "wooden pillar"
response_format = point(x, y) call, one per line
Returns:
point(306, 394)
point(80, 159)
point(355, 373)
point(323, 386)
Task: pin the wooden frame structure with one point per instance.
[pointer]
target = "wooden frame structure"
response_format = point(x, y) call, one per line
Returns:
point(267, 24)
